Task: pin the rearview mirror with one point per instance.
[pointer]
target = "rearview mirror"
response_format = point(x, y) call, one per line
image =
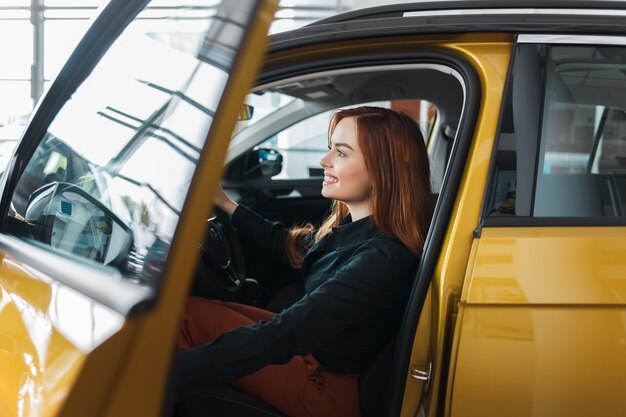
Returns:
point(246, 112)
point(70, 220)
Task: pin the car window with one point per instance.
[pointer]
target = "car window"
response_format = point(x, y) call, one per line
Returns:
point(562, 146)
point(109, 178)
point(303, 144)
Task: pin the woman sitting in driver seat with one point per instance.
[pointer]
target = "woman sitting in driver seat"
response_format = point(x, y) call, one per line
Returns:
point(358, 269)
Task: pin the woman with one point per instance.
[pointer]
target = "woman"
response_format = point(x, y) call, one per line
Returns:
point(357, 268)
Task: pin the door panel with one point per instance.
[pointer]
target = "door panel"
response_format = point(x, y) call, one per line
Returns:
point(543, 324)
point(541, 318)
point(556, 266)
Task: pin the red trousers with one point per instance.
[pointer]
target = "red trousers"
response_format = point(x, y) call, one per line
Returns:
point(299, 388)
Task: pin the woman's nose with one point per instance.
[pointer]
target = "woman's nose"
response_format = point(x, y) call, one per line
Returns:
point(324, 162)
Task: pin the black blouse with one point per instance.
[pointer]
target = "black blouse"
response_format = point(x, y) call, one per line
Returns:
point(357, 281)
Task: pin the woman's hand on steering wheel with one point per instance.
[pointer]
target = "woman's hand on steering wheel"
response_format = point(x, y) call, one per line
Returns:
point(223, 202)
point(221, 251)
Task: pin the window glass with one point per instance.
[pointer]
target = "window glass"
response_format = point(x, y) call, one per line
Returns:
point(60, 39)
point(579, 162)
point(582, 164)
point(16, 39)
point(15, 106)
point(6, 150)
point(109, 179)
point(303, 144)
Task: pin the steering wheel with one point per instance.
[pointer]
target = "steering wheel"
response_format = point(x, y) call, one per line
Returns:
point(222, 253)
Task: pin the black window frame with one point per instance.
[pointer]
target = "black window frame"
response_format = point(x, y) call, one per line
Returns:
point(530, 220)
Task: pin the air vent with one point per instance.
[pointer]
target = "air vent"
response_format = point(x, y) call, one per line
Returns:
point(66, 208)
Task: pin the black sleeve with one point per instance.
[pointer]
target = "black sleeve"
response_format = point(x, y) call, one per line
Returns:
point(266, 235)
point(350, 295)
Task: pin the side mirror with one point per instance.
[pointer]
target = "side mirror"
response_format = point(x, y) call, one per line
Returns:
point(257, 163)
point(70, 220)
point(270, 161)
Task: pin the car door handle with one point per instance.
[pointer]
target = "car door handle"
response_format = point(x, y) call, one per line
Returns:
point(423, 375)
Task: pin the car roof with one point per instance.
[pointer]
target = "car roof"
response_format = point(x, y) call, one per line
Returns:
point(598, 17)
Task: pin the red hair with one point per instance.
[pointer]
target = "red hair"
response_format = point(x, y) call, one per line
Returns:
point(398, 167)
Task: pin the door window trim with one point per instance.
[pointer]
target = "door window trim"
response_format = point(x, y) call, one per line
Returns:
point(572, 39)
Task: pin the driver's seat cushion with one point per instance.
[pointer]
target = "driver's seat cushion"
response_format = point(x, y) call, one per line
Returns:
point(224, 401)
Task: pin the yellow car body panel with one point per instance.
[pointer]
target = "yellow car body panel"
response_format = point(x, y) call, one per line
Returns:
point(540, 360)
point(48, 330)
point(543, 311)
point(550, 265)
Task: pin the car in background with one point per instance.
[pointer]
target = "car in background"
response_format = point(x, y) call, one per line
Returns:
point(519, 305)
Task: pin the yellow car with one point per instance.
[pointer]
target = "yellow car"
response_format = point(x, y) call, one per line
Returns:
point(519, 304)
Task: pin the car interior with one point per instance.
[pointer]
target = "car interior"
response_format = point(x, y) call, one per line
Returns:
point(298, 200)
point(256, 180)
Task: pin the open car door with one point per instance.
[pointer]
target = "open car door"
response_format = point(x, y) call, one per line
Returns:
point(105, 201)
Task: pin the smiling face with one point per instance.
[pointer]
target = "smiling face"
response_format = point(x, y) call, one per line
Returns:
point(345, 175)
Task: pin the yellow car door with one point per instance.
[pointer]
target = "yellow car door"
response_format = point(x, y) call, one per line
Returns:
point(105, 201)
point(541, 325)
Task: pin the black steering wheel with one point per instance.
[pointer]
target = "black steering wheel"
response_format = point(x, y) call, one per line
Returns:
point(222, 253)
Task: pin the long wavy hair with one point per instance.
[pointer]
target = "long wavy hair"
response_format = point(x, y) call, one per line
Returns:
point(398, 166)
